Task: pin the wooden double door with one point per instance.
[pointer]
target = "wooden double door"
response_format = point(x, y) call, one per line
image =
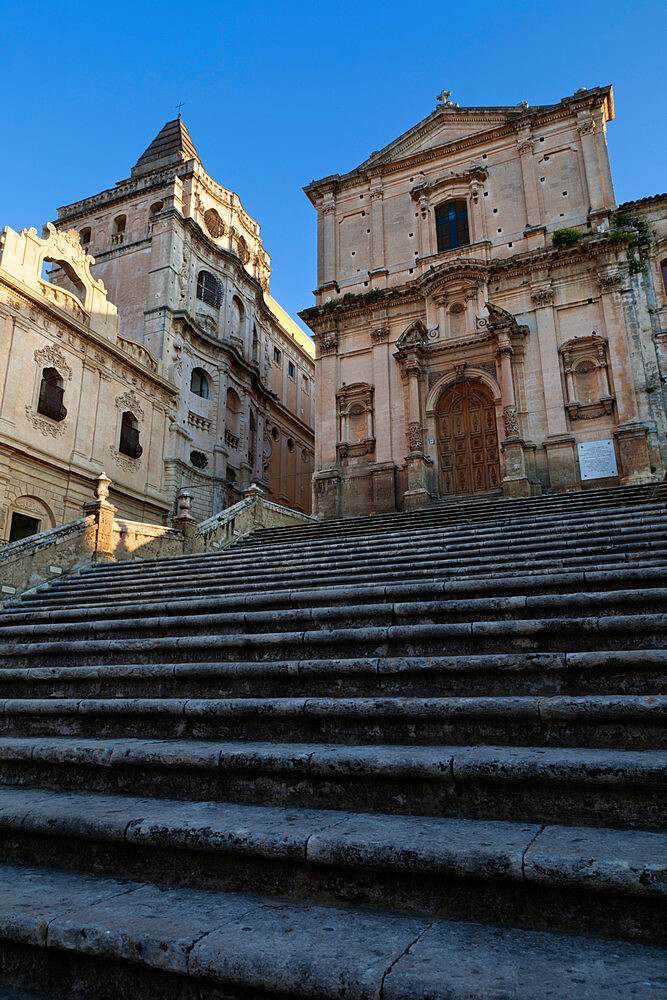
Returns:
point(467, 439)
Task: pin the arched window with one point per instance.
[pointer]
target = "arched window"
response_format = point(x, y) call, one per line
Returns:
point(451, 224)
point(199, 383)
point(252, 444)
point(232, 418)
point(129, 436)
point(84, 236)
point(209, 289)
point(238, 315)
point(119, 223)
point(663, 268)
point(51, 393)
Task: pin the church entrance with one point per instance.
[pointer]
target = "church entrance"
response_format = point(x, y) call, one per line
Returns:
point(467, 439)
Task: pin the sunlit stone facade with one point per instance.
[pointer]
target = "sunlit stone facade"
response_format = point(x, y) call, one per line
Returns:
point(465, 344)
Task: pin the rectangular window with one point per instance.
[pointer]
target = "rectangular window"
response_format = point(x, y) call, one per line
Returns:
point(451, 223)
point(291, 369)
point(277, 356)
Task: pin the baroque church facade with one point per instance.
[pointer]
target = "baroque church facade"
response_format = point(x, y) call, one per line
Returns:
point(487, 319)
point(185, 266)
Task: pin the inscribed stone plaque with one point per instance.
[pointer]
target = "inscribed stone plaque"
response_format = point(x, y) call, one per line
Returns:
point(597, 459)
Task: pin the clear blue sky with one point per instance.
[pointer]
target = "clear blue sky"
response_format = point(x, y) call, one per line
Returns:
point(277, 94)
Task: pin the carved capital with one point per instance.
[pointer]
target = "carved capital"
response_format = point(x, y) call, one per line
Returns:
point(376, 192)
point(327, 343)
point(542, 296)
point(380, 334)
point(609, 281)
point(586, 127)
point(525, 147)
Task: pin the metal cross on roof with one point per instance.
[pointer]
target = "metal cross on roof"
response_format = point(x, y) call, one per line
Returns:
point(179, 106)
point(443, 96)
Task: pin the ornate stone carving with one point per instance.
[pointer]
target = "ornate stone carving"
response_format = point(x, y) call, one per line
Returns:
point(124, 461)
point(128, 401)
point(68, 243)
point(52, 357)
point(525, 147)
point(326, 342)
point(49, 428)
point(376, 192)
point(379, 334)
point(542, 296)
point(587, 382)
point(511, 422)
point(609, 281)
point(585, 128)
point(415, 437)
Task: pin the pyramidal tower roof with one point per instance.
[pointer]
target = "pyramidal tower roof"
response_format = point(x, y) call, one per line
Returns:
point(172, 144)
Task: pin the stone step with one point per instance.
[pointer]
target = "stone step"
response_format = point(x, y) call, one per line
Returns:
point(523, 874)
point(416, 572)
point(539, 583)
point(623, 721)
point(596, 787)
point(469, 554)
point(460, 539)
point(115, 938)
point(514, 608)
point(637, 671)
point(571, 634)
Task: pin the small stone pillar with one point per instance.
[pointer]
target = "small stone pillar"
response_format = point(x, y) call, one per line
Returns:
point(184, 521)
point(257, 495)
point(634, 453)
point(103, 511)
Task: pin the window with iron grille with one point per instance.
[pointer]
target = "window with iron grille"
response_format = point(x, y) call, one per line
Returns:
point(129, 436)
point(209, 289)
point(51, 393)
point(451, 225)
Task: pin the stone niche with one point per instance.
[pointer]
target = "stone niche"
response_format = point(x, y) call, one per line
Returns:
point(356, 434)
point(587, 378)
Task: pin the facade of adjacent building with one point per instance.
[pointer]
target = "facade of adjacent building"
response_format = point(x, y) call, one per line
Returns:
point(487, 319)
point(185, 266)
point(76, 396)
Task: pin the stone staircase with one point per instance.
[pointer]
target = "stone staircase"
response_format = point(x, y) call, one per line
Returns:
point(403, 757)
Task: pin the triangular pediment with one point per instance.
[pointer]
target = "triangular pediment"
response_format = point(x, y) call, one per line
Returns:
point(444, 126)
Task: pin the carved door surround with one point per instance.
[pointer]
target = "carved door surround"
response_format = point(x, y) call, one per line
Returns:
point(467, 439)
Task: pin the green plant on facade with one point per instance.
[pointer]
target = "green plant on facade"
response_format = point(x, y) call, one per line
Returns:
point(566, 237)
point(637, 236)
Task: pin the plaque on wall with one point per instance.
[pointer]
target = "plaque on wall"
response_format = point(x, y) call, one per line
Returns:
point(597, 459)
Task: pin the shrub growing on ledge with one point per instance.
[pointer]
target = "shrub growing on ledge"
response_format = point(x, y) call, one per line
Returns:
point(637, 235)
point(566, 237)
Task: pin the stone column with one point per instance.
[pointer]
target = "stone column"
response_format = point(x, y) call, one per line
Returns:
point(377, 227)
point(529, 181)
point(383, 471)
point(327, 475)
point(516, 482)
point(560, 445)
point(417, 494)
point(586, 129)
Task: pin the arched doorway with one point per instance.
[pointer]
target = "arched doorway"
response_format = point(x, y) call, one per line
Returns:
point(467, 439)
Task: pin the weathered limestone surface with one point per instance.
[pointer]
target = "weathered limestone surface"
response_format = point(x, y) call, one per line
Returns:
point(414, 755)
